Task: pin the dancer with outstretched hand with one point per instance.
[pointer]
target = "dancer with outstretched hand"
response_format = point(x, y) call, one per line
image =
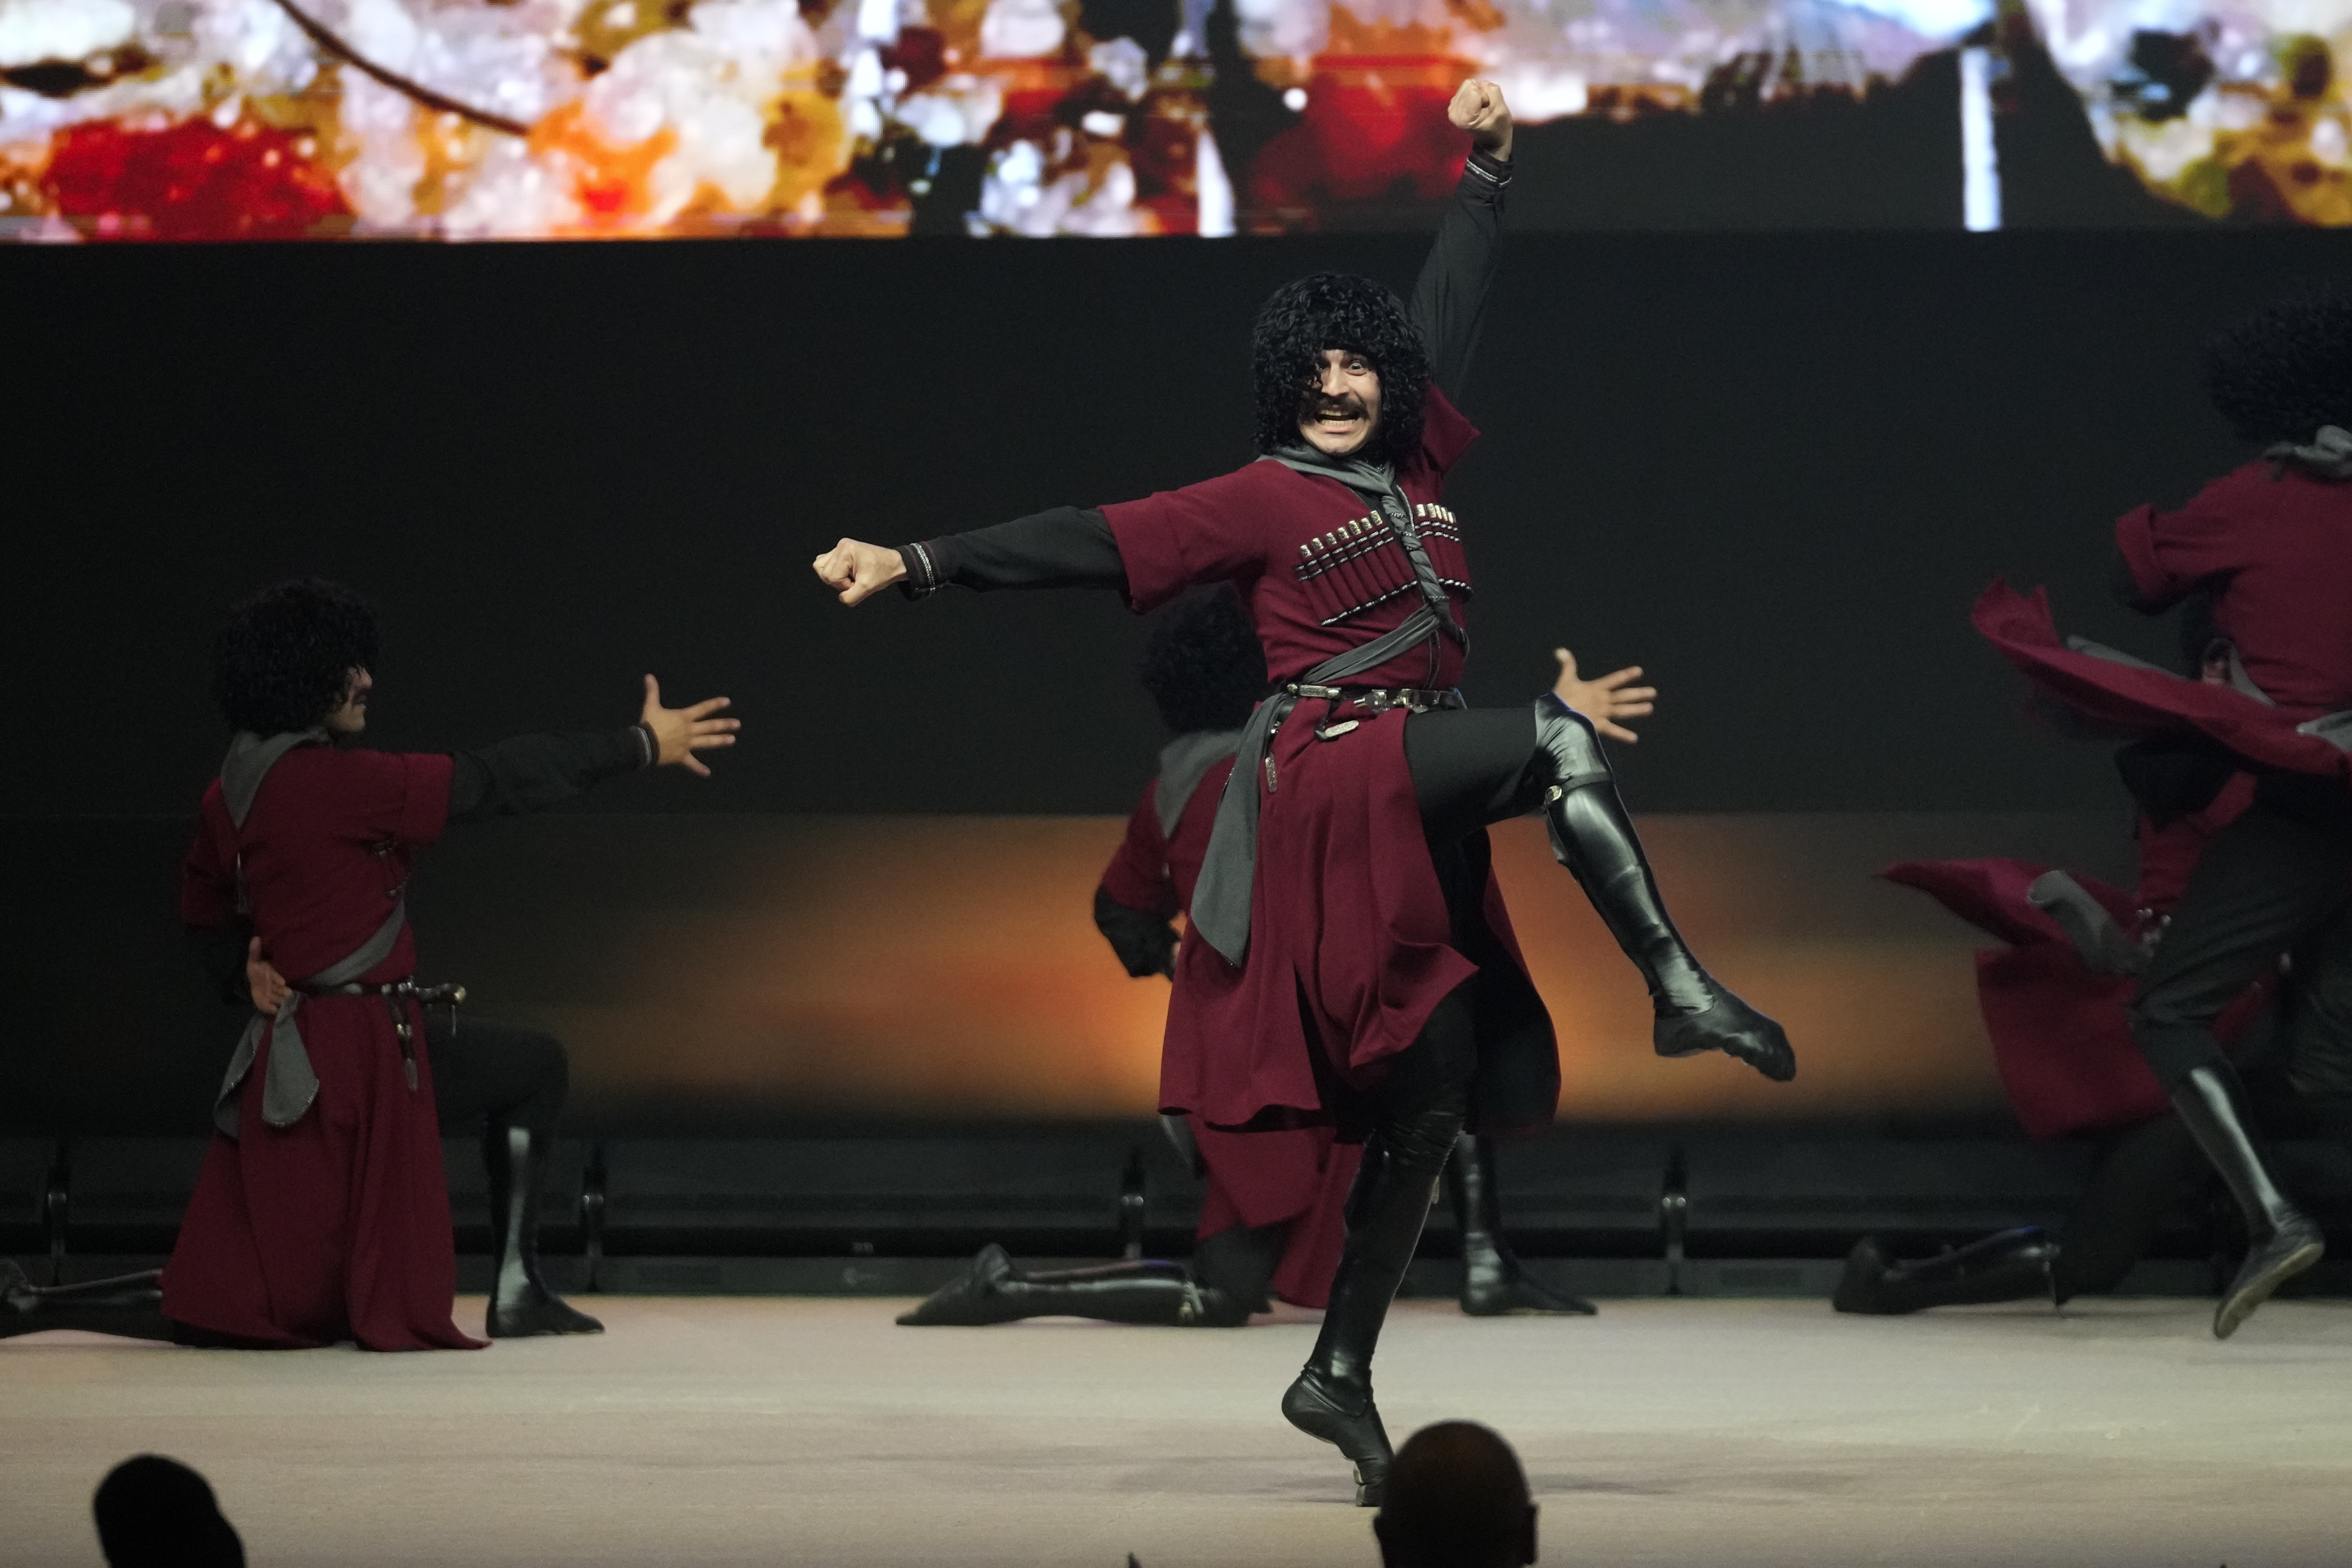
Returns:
point(1349, 959)
point(322, 1213)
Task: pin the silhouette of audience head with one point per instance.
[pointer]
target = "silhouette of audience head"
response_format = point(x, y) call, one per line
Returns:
point(154, 1512)
point(1456, 1498)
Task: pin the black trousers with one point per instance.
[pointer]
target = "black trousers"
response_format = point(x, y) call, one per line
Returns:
point(488, 1073)
point(2277, 880)
point(1470, 769)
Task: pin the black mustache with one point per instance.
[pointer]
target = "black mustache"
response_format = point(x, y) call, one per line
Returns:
point(1336, 407)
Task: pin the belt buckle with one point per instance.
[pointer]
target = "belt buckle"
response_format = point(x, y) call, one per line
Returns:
point(1379, 699)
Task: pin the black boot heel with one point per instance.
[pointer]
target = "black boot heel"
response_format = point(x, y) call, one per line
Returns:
point(1320, 1412)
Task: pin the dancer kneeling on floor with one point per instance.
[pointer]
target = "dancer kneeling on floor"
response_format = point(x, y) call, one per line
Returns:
point(320, 1213)
point(1271, 1224)
point(1349, 960)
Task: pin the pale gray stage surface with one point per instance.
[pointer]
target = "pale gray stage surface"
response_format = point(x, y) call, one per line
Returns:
point(1702, 1434)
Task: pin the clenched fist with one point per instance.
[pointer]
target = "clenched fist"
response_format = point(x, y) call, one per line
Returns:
point(1479, 109)
point(858, 571)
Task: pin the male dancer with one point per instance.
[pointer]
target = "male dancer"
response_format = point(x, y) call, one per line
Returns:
point(2271, 540)
point(2056, 1005)
point(1271, 1223)
point(320, 1213)
point(1349, 959)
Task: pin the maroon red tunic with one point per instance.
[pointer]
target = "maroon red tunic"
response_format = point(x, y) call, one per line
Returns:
point(2280, 551)
point(1294, 1175)
point(337, 1227)
point(1351, 947)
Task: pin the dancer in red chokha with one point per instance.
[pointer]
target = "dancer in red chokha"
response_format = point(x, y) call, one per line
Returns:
point(320, 1214)
point(1348, 961)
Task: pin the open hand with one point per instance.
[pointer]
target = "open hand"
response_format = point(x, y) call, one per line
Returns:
point(1607, 700)
point(679, 732)
point(1478, 107)
point(859, 570)
point(262, 982)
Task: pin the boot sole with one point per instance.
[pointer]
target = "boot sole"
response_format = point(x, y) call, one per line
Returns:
point(2244, 1297)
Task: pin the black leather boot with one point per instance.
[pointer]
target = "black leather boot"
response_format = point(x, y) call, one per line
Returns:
point(1493, 1285)
point(2284, 1241)
point(2007, 1265)
point(1144, 1291)
point(1388, 1205)
point(1593, 837)
point(129, 1306)
point(521, 1305)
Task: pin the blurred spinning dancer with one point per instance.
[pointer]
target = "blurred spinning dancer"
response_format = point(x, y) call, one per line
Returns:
point(1347, 958)
point(2272, 543)
point(321, 1214)
point(2056, 1002)
point(1271, 1223)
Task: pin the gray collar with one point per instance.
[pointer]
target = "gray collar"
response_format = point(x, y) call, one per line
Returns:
point(2329, 455)
point(250, 758)
point(1375, 479)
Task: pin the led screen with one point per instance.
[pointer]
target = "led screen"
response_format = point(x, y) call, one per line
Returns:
point(468, 118)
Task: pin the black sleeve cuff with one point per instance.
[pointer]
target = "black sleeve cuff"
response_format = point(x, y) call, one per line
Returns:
point(1483, 172)
point(923, 576)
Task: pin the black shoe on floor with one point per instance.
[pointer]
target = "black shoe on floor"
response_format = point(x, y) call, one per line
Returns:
point(972, 1298)
point(1350, 1424)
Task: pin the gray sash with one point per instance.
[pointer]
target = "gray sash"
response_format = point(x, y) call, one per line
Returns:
point(289, 1086)
point(1221, 901)
point(2336, 729)
point(1182, 764)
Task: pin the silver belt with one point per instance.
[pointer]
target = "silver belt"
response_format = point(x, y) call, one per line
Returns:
point(1379, 698)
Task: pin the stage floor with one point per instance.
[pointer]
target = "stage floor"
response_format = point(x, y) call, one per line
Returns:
point(1713, 1433)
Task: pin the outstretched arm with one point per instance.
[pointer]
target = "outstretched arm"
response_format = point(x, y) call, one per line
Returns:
point(531, 773)
point(1068, 547)
point(1449, 302)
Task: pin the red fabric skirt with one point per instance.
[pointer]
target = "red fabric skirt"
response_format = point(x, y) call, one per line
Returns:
point(2021, 627)
point(336, 1227)
point(1350, 950)
point(1300, 1176)
point(2059, 1036)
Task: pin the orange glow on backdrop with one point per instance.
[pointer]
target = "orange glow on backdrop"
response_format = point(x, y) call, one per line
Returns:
point(948, 966)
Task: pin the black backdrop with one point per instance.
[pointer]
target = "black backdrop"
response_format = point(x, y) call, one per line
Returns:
point(1773, 468)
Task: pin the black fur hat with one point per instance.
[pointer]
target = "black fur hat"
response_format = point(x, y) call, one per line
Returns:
point(2284, 371)
point(1338, 310)
point(1202, 664)
point(281, 662)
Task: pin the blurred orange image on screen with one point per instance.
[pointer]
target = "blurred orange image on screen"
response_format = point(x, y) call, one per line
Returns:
point(948, 966)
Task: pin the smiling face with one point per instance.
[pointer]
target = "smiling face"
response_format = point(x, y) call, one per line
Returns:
point(1340, 411)
point(349, 717)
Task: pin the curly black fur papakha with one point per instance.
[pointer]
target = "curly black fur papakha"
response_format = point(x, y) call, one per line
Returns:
point(1203, 666)
point(2284, 371)
point(1336, 310)
point(282, 661)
